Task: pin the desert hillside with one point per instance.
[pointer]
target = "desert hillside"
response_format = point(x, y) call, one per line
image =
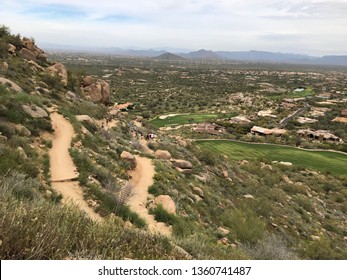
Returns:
point(115, 158)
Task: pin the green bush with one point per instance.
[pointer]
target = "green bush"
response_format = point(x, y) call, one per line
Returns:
point(161, 215)
point(245, 224)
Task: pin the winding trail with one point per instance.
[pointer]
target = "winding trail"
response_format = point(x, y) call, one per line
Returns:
point(63, 171)
point(141, 179)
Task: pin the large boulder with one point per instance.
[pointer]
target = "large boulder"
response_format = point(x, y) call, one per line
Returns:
point(162, 154)
point(183, 164)
point(129, 158)
point(105, 92)
point(35, 111)
point(12, 85)
point(167, 203)
point(27, 54)
point(29, 44)
point(87, 81)
point(58, 69)
point(94, 92)
point(98, 91)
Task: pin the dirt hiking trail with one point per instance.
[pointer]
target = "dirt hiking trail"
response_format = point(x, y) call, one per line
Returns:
point(141, 179)
point(63, 170)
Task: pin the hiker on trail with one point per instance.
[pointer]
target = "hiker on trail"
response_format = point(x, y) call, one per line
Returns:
point(102, 125)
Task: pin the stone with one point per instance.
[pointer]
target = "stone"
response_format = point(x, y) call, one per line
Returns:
point(248, 196)
point(167, 203)
point(184, 171)
point(129, 157)
point(96, 92)
point(87, 81)
point(195, 197)
point(42, 90)
point(183, 164)
point(162, 154)
point(27, 54)
point(287, 180)
point(22, 130)
point(12, 85)
point(11, 49)
point(85, 118)
point(105, 92)
point(59, 70)
point(244, 162)
point(285, 163)
point(223, 241)
point(42, 57)
point(201, 178)
point(71, 96)
point(36, 67)
point(4, 66)
point(3, 138)
point(93, 92)
point(265, 166)
point(22, 153)
point(315, 237)
point(199, 192)
point(29, 44)
point(225, 174)
point(35, 111)
point(223, 231)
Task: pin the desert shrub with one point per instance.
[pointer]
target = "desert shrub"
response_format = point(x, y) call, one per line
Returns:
point(161, 215)
point(7, 129)
point(38, 230)
point(19, 186)
point(246, 225)
point(321, 249)
point(52, 81)
point(207, 157)
point(110, 204)
point(272, 247)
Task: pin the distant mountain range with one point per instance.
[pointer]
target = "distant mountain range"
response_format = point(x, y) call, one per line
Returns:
point(246, 56)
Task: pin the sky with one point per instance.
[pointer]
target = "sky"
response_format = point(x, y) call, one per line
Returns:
point(314, 27)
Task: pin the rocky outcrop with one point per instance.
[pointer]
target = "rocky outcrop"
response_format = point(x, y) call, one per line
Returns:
point(29, 51)
point(162, 154)
point(59, 70)
point(13, 86)
point(129, 158)
point(35, 111)
point(167, 203)
point(96, 91)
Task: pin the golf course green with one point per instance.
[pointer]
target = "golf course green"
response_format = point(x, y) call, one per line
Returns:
point(328, 161)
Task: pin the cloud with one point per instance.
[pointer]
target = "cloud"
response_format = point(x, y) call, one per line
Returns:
point(212, 24)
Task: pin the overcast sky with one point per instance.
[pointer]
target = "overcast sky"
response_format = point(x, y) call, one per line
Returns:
point(315, 27)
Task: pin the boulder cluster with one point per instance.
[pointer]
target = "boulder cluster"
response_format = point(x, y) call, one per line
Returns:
point(96, 91)
point(28, 50)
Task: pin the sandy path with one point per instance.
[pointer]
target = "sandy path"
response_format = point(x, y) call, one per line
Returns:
point(142, 178)
point(63, 169)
